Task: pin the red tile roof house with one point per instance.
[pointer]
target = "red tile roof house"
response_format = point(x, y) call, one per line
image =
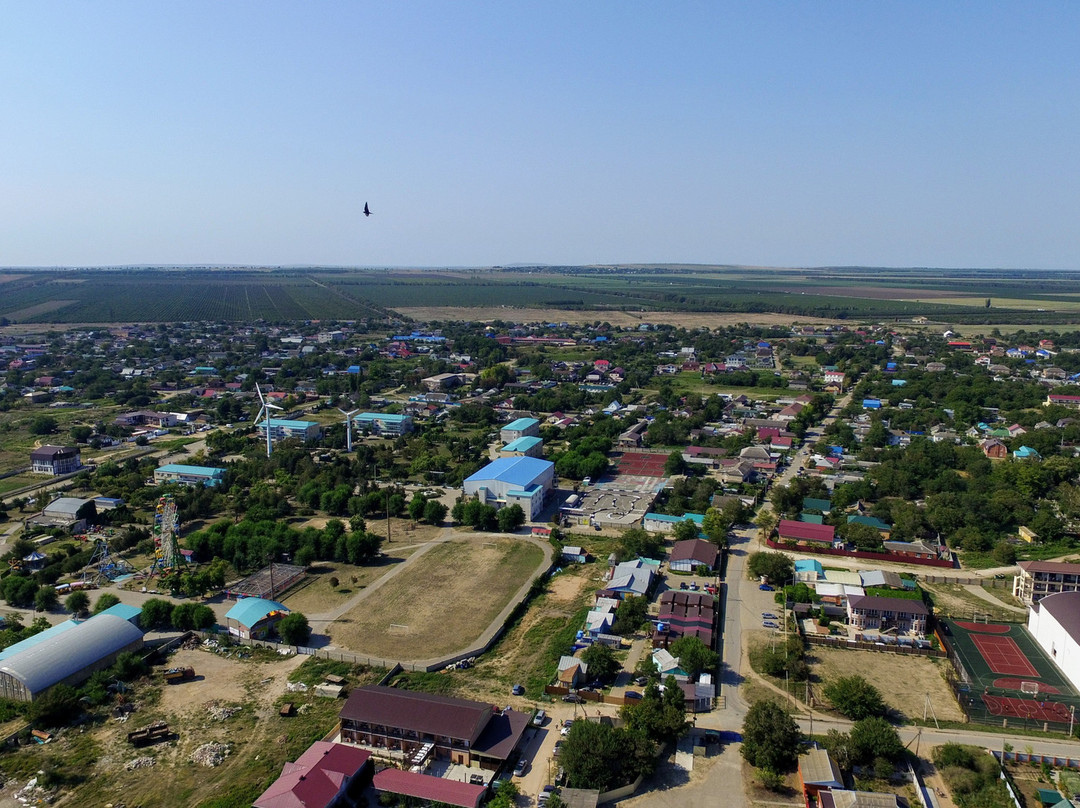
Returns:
point(872, 612)
point(686, 556)
point(323, 777)
point(789, 530)
point(469, 733)
point(1063, 400)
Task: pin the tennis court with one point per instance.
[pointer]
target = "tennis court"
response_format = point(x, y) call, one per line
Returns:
point(641, 464)
point(1009, 675)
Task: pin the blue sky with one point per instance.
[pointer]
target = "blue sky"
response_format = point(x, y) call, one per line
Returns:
point(773, 133)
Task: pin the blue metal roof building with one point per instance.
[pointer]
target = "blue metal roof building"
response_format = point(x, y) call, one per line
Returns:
point(384, 423)
point(254, 617)
point(522, 427)
point(281, 428)
point(529, 446)
point(525, 481)
point(189, 475)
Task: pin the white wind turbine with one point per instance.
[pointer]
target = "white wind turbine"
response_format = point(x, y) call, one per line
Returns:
point(265, 410)
point(348, 427)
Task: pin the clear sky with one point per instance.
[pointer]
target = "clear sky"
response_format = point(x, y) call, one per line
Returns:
point(769, 133)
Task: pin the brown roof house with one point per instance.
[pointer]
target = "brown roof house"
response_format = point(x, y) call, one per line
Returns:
point(423, 725)
point(687, 556)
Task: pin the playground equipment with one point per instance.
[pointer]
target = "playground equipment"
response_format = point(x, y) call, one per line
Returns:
point(104, 566)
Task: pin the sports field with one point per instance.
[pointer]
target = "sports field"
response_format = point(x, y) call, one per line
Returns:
point(1009, 674)
point(442, 600)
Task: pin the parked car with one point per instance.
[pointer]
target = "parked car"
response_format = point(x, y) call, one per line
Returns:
point(539, 718)
point(631, 694)
point(683, 585)
point(573, 698)
point(770, 624)
point(558, 748)
point(769, 616)
point(517, 690)
point(765, 588)
point(545, 795)
point(521, 767)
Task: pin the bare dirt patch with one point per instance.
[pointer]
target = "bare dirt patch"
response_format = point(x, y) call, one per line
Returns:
point(442, 602)
point(904, 681)
point(616, 318)
point(218, 677)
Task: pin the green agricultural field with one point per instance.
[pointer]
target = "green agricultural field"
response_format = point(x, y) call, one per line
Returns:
point(285, 294)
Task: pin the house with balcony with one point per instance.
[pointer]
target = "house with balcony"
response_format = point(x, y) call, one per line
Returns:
point(1037, 579)
point(898, 615)
point(415, 727)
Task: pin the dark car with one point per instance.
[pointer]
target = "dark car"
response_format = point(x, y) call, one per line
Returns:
point(596, 684)
point(573, 698)
point(765, 588)
point(631, 694)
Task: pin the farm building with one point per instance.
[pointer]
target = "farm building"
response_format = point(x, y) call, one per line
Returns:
point(687, 556)
point(254, 618)
point(55, 460)
point(327, 775)
point(383, 423)
point(66, 656)
point(1054, 622)
point(525, 481)
point(188, 475)
point(521, 428)
point(424, 726)
point(282, 428)
point(523, 447)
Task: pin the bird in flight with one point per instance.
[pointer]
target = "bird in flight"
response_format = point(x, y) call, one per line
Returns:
point(366, 211)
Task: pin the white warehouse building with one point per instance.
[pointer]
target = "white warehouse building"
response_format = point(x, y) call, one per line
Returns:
point(68, 655)
point(524, 481)
point(1054, 622)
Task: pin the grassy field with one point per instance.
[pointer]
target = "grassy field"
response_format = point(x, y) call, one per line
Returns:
point(689, 382)
point(317, 595)
point(904, 681)
point(442, 602)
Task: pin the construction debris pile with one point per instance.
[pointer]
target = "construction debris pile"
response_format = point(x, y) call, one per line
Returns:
point(32, 793)
point(210, 754)
point(140, 763)
point(219, 713)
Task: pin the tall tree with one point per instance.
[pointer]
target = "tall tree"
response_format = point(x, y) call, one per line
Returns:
point(771, 737)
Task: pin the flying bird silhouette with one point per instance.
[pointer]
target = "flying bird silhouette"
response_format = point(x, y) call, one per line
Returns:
point(366, 211)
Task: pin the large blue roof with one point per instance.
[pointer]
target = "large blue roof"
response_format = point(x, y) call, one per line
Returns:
point(522, 423)
point(522, 444)
point(250, 611)
point(181, 468)
point(518, 471)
